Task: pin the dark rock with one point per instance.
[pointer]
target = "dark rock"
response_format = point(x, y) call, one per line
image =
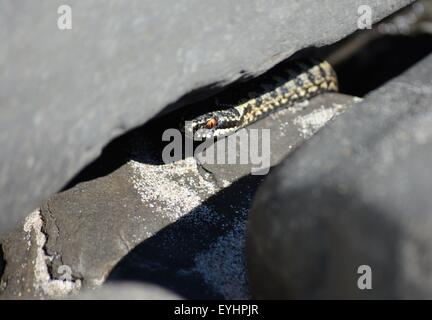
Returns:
point(357, 193)
point(65, 94)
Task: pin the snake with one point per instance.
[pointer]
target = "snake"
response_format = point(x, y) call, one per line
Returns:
point(300, 83)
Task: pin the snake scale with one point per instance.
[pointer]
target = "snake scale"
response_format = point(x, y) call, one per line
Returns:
point(305, 81)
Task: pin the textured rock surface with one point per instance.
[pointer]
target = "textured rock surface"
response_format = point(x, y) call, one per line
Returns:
point(358, 193)
point(65, 94)
point(26, 275)
point(151, 222)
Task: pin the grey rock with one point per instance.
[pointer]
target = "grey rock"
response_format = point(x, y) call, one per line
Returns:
point(65, 94)
point(357, 193)
point(26, 274)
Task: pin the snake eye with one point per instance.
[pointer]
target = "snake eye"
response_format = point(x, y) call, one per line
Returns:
point(210, 123)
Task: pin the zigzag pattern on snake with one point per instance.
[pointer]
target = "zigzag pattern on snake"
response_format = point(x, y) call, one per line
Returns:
point(303, 82)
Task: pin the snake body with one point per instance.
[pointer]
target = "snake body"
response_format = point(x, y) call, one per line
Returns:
point(301, 83)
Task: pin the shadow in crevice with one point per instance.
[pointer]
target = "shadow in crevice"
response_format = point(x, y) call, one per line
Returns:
point(173, 257)
point(380, 61)
point(118, 151)
point(192, 104)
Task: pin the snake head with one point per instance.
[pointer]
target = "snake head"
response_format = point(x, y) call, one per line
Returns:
point(213, 124)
